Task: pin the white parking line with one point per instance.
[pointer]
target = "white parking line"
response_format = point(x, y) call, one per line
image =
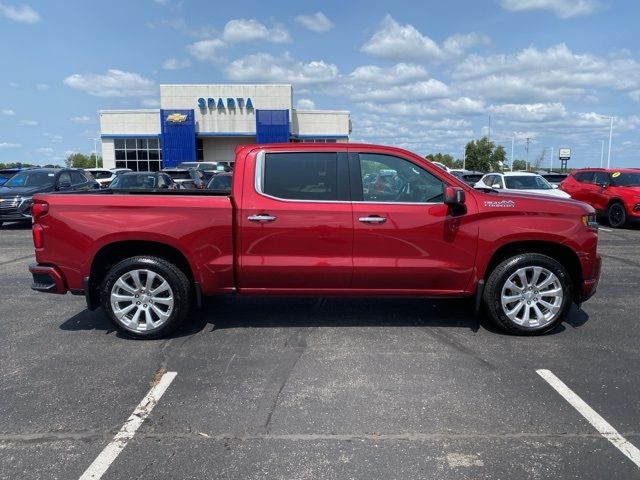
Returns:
point(128, 430)
point(600, 424)
point(605, 229)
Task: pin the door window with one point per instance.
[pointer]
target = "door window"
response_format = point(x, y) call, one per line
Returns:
point(301, 176)
point(584, 177)
point(77, 178)
point(386, 178)
point(600, 178)
point(64, 179)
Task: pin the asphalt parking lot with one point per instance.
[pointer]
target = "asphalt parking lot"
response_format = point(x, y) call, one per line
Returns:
point(319, 388)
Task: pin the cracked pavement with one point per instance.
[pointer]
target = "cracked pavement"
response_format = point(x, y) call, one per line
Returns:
point(305, 388)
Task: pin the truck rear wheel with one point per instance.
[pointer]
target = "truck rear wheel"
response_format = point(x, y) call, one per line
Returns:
point(145, 296)
point(528, 294)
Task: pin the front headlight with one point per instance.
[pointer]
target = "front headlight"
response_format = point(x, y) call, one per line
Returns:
point(26, 200)
point(590, 221)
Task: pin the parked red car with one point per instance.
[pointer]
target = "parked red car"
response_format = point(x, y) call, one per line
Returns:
point(300, 220)
point(614, 193)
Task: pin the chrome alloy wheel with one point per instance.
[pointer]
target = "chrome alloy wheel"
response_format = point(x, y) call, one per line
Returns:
point(532, 297)
point(142, 300)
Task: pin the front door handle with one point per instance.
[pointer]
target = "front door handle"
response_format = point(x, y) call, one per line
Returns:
point(261, 218)
point(372, 219)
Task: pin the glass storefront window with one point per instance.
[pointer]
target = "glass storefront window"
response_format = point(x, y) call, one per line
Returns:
point(138, 154)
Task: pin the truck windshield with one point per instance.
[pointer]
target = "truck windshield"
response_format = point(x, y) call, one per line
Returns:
point(527, 182)
point(31, 179)
point(626, 179)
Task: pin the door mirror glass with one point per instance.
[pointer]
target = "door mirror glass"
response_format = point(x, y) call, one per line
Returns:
point(454, 196)
point(497, 185)
point(553, 185)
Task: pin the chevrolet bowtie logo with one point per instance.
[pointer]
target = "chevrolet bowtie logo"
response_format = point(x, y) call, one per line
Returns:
point(176, 118)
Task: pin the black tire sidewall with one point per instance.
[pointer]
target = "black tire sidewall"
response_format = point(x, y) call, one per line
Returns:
point(497, 279)
point(624, 215)
point(177, 280)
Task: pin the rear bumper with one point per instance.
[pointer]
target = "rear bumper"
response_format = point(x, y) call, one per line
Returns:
point(47, 279)
point(590, 285)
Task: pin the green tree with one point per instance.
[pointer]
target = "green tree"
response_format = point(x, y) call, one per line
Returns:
point(519, 165)
point(80, 160)
point(483, 156)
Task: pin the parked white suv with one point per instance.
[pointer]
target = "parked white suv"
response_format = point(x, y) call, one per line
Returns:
point(525, 182)
point(104, 176)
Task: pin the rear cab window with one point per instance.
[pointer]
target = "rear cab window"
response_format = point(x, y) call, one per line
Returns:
point(303, 176)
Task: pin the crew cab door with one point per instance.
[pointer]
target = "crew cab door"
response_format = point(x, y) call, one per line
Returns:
point(405, 237)
point(295, 222)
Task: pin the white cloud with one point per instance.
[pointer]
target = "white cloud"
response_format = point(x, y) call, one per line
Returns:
point(83, 119)
point(22, 13)
point(249, 30)
point(397, 74)
point(423, 90)
point(317, 22)
point(45, 151)
point(175, 64)
point(28, 123)
point(206, 50)
point(533, 112)
point(8, 112)
point(151, 103)
point(114, 83)
point(404, 42)
point(9, 145)
point(14, 84)
point(561, 8)
point(53, 137)
point(401, 42)
point(305, 104)
point(264, 67)
point(457, 44)
point(553, 74)
point(42, 87)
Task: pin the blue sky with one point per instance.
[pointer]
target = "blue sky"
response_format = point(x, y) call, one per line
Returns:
point(424, 75)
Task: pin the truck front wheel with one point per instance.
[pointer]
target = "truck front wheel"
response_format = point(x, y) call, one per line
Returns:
point(528, 294)
point(145, 296)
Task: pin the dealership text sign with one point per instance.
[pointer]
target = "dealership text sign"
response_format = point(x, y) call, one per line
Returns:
point(222, 103)
point(564, 153)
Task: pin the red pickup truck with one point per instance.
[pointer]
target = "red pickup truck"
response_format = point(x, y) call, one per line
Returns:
point(318, 219)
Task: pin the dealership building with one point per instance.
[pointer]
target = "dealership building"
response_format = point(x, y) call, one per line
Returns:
point(207, 122)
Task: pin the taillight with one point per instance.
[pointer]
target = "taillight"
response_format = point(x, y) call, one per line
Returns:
point(38, 235)
point(39, 209)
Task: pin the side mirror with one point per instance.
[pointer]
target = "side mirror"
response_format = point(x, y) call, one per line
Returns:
point(553, 185)
point(496, 185)
point(454, 196)
point(604, 185)
point(64, 185)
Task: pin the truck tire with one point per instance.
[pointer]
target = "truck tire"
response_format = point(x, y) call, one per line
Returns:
point(617, 215)
point(528, 294)
point(145, 296)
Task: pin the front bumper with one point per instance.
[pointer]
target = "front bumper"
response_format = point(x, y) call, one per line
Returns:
point(15, 209)
point(590, 285)
point(48, 279)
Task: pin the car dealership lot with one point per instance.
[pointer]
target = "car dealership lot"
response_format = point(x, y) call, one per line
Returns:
point(319, 388)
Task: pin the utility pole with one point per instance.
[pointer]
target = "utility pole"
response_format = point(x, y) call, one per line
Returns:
point(528, 141)
point(610, 135)
point(512, 142)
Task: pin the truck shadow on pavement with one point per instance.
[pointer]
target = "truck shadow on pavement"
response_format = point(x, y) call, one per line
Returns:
point(278, 312)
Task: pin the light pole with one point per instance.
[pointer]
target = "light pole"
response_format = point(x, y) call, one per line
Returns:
point(610, 137)
point(512, 142)
point(95, 150)
point(601, 153)
point(551, 162)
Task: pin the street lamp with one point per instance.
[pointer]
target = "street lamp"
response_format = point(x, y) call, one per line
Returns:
point(610, 136)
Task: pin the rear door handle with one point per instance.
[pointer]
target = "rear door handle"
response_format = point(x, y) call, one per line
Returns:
point(261, 218)
point(372, 219)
